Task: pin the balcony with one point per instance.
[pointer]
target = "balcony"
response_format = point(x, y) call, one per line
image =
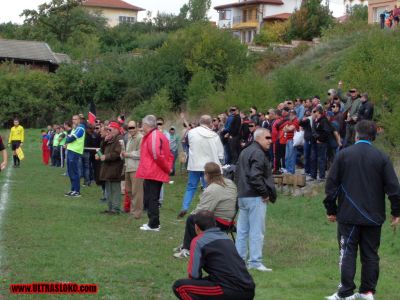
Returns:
point(241, 22)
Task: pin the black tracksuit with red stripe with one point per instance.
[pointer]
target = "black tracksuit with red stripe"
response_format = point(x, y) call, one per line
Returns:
point(214, 252)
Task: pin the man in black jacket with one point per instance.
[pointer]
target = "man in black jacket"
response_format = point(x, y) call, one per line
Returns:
point(213, 251)
point(359, 178)
point(366, 111)
point(321, 132)
point(255, 189)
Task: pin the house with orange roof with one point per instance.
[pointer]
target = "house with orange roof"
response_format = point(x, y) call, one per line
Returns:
point(246, 17)
point(115, 11)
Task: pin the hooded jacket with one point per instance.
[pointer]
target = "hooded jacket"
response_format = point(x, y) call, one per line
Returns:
point(204, 146)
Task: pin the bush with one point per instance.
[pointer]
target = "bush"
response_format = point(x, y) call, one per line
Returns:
point(272, 33)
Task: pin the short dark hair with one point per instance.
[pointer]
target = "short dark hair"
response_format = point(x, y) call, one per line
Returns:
point(319, 109)
point(254, 107)
point(68, 123)
point(160, 119)
point(366, 130)
point(205, 219)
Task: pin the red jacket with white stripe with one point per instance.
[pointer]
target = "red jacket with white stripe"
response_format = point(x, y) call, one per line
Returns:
point(155, 157)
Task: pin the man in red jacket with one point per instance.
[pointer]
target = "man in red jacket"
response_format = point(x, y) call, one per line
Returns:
point(154, 167)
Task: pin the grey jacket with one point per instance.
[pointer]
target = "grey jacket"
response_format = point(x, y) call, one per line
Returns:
point(133, 153)
point(221, 200)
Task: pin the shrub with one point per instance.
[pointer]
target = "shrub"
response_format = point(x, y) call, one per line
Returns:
point(272, 33)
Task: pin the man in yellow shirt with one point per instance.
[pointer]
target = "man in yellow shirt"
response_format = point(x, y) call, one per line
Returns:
point(16, 139)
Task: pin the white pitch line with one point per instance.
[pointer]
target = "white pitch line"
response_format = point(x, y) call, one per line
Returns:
point(4, 196)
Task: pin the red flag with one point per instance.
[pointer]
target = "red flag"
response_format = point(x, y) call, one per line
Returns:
point(92, 113)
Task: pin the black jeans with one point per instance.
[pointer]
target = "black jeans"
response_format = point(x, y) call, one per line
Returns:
point(197, 289)
point(318, 159)
point(279, 156)
point(151, 194)
point(367, 238)
point(234, 145)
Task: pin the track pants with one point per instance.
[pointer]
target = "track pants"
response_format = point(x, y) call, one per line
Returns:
point(367, 239)
point(196, 289)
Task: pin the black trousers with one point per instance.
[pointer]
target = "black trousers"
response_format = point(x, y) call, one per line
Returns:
point(367, 239)
point(234, 145)
point(197, 289)
point(151, 194)
point(190, 232)
point(279, 156)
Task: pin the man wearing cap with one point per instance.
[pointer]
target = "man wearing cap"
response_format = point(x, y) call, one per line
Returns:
point(155, 166)
point(111, 169)
point(75, 144)
point(133, 185)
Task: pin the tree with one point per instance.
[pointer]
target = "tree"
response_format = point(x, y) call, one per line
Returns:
point(198, 9)
point(308, 22)
point(358, 12)
point(61, 18)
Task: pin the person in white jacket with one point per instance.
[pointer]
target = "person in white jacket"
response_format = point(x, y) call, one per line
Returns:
point(204, 146)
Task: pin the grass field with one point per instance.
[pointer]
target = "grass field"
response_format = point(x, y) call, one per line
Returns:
point(46, 237)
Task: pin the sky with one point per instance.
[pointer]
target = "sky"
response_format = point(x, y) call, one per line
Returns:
point(11, 9)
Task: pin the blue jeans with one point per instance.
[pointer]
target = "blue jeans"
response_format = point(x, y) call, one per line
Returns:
point(290, 157)
point(307, 156)
point(318, 159)
point(191, 188)
point(251, 229)
point(73, 160)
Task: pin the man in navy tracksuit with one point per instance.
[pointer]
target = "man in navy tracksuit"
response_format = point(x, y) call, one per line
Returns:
point(216, 254)
point(359, 178)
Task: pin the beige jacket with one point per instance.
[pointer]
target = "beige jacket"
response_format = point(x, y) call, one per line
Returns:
point(220, 200)
point(133, 153)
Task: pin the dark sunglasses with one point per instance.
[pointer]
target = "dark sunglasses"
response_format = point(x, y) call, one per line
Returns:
point(131, 127)
point(289, 103)
point(160, 124)
point(314, 111)
point(251, 125)
point(268, 137)
point(97, 128)
point(172, 129)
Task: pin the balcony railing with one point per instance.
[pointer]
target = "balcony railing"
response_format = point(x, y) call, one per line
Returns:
point(243, 19)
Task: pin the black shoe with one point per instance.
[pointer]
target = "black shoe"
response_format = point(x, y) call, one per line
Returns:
point(68, 194)
point(105, 212)
point(182, 214)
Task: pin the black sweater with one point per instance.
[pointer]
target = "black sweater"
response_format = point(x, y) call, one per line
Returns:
point(214, 252)
point(359, 178)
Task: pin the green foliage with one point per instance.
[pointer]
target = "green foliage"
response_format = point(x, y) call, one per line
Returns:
point(272, 33)
point(308, 22)
point(60, 18)
point(358, 12)
point(198, 9)
point(158, 105)
point(199, 89)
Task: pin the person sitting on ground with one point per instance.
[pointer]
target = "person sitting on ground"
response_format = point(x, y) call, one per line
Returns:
point(219, 197)
point(213, 252)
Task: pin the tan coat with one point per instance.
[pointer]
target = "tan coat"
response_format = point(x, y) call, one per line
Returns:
point(133, 152)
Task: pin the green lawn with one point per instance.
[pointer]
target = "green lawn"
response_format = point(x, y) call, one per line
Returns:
point(48, 237)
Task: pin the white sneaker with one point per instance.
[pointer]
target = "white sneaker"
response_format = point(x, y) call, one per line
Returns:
point(146, 227)
point(178, 249)
point(366, 296)
point(261, 268)
point(336, 297)
point(184, 253)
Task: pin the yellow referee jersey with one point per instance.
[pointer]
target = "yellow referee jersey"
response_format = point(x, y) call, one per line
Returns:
point(16, 134)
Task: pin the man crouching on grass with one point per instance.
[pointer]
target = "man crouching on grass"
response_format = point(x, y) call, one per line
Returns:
point(213, 252)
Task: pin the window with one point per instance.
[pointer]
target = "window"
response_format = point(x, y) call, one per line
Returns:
point(225, 14)
point(125, 19)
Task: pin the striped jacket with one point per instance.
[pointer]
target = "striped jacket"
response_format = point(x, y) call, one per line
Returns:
point(155, 157)
point(214, 252)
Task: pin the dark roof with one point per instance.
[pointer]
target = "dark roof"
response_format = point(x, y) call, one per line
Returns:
point(283, 16)
point(111, 4)
point(30, 50)
point(249, 2)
